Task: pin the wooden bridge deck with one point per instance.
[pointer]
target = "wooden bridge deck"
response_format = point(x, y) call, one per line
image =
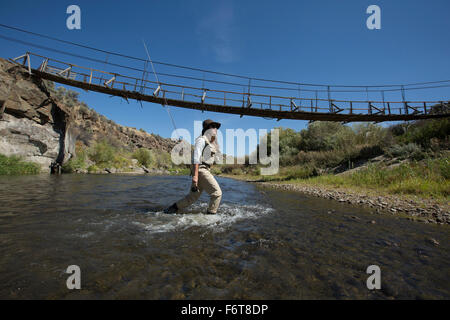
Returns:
point(72, 75)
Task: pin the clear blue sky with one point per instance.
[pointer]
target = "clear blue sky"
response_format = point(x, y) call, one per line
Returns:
point(321, 41)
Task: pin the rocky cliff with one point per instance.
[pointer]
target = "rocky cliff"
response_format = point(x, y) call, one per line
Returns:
point(41, 126)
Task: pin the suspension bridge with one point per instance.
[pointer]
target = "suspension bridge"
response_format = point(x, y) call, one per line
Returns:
point(246, 96)
point(227, 101)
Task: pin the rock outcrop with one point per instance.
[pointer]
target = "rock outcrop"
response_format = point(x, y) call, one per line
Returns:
point(91, 127)
point(32, 124)
point(42, 127)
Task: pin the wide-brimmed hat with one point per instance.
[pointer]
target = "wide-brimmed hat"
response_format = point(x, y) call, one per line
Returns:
point(208, 123)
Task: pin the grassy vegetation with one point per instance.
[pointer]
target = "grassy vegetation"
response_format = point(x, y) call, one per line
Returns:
point(14, 165)
point(103, 154)
point(427, 179)
point(312, 156)
point(153, 159)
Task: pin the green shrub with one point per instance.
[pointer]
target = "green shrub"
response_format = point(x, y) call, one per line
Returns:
point(320, 136)
point(444, 167)
point(121, 161)
point(181, 171)
point(410, 150)
point(299, 172)
point(329, 144)
point(151, 158)
point(73, 164)
point(144, 157)
point(372, 134)
point(163, 159)
point(368, 152)
point(93, 169)
point(216, 170)
point(237, 171)
point(14, 165)
point(254, 170)
point(102, 153)
point(423, 131)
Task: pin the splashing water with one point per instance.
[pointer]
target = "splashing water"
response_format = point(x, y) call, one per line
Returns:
point(227, 215)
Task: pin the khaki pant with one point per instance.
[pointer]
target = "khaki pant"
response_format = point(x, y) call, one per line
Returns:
point(206, 182)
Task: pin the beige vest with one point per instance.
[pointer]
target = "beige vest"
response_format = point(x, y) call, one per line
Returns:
point(209, 152)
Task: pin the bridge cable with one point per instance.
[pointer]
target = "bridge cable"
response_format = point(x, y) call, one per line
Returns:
point(208, 71)
point(230, 83)
point(159, 84)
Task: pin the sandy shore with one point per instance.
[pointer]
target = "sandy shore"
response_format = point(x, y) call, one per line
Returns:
point(412, 208)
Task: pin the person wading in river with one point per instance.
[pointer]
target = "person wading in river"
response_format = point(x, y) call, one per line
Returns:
point(205, 150)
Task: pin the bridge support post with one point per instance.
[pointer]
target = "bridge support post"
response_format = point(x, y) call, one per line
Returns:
point(293, 105)
point(43, 65)
point(24, 56)
point(29, 63)
point(204, 96)
point(330, 103)
point(249, 102)
point(316, 100)
point(67, 71)
point(110, 81)
point(156, 92)
point(405, 103)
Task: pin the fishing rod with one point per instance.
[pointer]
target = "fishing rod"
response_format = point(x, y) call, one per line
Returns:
point(156, 92)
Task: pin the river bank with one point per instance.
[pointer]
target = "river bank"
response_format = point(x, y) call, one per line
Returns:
point(409, 207)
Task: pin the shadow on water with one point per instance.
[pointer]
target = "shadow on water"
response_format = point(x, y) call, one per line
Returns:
point(263, 244)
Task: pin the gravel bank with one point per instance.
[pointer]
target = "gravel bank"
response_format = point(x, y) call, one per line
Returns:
point(422, 210)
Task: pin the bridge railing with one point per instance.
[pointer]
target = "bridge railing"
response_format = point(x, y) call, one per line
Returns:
point(228, 98)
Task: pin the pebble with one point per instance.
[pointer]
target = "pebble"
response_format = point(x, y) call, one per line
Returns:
point(432, 212)
point(433, 241)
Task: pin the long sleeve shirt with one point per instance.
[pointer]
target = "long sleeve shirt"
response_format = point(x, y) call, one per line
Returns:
point(198, 150)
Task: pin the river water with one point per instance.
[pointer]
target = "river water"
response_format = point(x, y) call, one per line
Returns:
point(263, 244)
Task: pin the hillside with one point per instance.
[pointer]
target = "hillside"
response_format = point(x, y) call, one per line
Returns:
point(402, 168)
point(47, 125)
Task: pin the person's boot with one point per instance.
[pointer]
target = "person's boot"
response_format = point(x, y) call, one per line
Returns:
point(209, 212)
point(172, 209)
